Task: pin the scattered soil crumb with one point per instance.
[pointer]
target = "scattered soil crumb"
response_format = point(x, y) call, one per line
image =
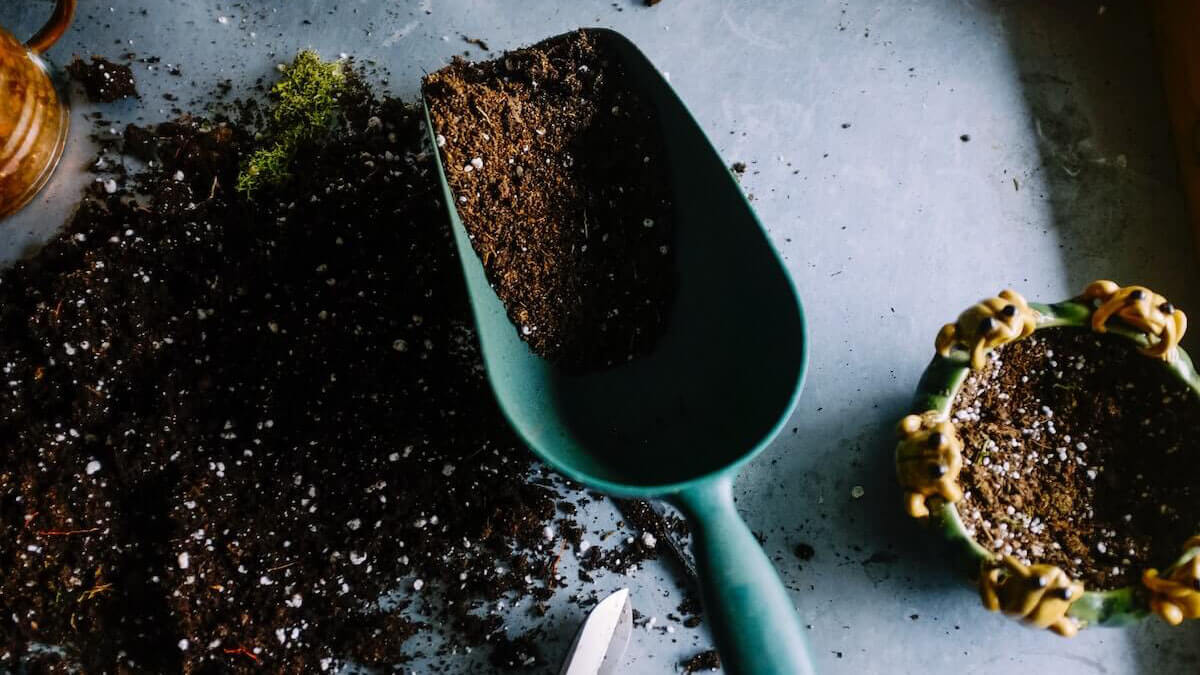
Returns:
point(805, 551)
point(103, 80)
point(707, 660)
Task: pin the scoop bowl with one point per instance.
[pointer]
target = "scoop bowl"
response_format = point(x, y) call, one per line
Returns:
point(680, 422)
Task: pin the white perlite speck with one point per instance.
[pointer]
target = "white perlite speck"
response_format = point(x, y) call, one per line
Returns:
point(357, 558)
point(184, 560)
point(183, 645)
point(92, 467)
point(649, 540)
point(354, 524)
point(477, 162)
point(418, 585)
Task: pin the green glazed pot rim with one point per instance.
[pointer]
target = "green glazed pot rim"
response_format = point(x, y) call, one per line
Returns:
point(938, 387)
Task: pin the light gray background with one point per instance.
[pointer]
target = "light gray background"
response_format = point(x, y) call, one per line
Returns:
point(890, 227)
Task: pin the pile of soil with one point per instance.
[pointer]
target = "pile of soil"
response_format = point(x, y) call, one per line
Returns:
point(103, 80)
point(559, 173)
point(1080, 452)
point(230, 427)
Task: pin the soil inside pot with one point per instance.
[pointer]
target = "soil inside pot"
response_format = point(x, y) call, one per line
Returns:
point(1080, 452)
point(558, 170)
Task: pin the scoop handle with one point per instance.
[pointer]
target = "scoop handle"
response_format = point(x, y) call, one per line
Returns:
point(752, 617)
point(54, 28)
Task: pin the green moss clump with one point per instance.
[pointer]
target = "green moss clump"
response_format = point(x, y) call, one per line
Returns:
point(306, 105)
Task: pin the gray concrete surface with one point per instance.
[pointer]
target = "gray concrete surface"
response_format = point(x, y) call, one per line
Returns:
point(849, 115)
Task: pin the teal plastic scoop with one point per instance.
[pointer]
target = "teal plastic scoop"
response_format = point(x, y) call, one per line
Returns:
point(679, 423)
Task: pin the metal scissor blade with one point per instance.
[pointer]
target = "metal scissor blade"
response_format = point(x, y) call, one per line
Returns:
point(601, 641)
point(619, 640)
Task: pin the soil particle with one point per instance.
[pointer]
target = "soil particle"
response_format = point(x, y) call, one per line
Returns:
point(1080, 452)
point(691, 609)
point(805, 551)
point(561, 184)
point(517, 653)
point(103, 80)
point(707, 660)
point(477, 42)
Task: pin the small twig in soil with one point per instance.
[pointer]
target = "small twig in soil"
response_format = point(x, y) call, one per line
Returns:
point(280, 567)
point(477, 42)
point(66, 533)
point(554, 565)
point(93, 592)
point(482, 113)
point(242, 651)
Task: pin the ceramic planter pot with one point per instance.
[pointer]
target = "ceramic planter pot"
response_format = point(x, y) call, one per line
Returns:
point(929, 459)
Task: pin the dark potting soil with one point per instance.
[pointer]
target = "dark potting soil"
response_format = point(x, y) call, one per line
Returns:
point(708, 660)
point(1080, 452)
point(559, 174)
point(230, 427)
point(103, 80)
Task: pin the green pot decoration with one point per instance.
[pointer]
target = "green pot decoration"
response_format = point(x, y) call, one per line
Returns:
point(929, 456)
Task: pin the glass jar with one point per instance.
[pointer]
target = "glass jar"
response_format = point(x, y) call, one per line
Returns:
point(33, 118)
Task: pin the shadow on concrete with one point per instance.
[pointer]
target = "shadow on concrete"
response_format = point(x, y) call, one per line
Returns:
point(1108, 171)
point(1108, 175)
